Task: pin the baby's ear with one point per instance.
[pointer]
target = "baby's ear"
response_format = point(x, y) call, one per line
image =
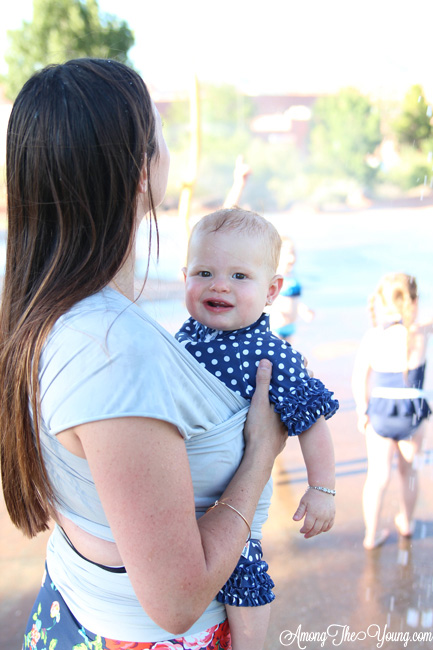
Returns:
point(184, 271)
point(274, 289)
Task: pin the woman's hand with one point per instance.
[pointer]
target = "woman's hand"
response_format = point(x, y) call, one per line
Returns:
point(263, 428)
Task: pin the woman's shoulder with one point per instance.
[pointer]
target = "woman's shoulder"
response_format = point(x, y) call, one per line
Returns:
point(107, 333)
point(109, 317)
point(108, 358)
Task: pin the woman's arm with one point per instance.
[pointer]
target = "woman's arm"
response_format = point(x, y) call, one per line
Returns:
point(177, 564)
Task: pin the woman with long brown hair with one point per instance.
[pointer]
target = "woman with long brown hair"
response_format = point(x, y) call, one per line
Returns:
point(107, 425)
point(392, 408)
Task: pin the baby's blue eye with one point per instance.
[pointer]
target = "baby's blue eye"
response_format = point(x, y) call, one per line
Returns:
point(239, 276)
point(204, 274)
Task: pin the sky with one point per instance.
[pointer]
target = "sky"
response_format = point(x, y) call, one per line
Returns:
point(381, 47)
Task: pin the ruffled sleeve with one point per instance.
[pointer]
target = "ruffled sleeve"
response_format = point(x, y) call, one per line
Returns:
point(299, 399)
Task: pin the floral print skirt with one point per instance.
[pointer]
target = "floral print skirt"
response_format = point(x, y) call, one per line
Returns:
point(51, 624)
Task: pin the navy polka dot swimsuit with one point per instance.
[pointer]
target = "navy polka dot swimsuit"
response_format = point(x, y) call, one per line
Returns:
point(299, 399)
point(233, 357)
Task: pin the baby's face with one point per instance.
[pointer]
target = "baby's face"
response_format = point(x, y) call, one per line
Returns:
point(228, 281)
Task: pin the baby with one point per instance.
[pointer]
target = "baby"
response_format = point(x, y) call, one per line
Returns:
point(230, 278)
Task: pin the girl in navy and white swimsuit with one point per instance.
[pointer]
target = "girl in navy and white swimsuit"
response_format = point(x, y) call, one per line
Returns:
point(398, 403)
point(392, 407)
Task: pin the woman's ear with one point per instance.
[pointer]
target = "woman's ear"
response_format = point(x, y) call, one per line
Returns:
point(142, 184)
point(274, 289)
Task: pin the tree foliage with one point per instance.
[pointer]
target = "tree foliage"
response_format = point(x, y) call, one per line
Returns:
point(345, 130)
point(413, 125)
point(62, 30)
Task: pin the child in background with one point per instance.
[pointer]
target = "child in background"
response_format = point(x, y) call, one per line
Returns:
point(230, 277)
point(288, 306)
point(387, 385)
point(241, 173)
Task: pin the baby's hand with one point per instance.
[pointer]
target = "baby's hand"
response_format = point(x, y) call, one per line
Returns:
point(318, 508)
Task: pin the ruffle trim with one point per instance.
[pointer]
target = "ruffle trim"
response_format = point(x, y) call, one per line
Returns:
point(304, 405)
point(249, 586)
point(399, 407)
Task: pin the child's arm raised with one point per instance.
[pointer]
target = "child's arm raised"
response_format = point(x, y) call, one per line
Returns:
point(317, 506)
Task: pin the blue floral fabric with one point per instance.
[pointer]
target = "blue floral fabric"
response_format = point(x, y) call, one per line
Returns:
point(52, 625)
point(233, 356)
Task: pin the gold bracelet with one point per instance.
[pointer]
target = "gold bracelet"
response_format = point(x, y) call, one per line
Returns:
point(223, 503)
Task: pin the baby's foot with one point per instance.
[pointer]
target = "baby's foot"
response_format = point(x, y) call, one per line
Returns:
point(371, 543)
point(404, 528)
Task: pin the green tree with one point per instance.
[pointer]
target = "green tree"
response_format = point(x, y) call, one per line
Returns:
point(61, 30)
point(413, 125)
point(412, 131)
point(345, 131)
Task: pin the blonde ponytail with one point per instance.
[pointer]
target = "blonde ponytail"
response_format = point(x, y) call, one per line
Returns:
point(397, 292)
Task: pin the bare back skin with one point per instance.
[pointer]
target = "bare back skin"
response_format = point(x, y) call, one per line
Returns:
point(396, 349)
point(95, 549)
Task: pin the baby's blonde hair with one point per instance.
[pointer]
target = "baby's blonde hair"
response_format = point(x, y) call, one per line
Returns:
point(240, 220)
point(397, 291)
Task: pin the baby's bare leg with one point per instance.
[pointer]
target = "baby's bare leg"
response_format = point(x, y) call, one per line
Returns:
point(248, 626)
